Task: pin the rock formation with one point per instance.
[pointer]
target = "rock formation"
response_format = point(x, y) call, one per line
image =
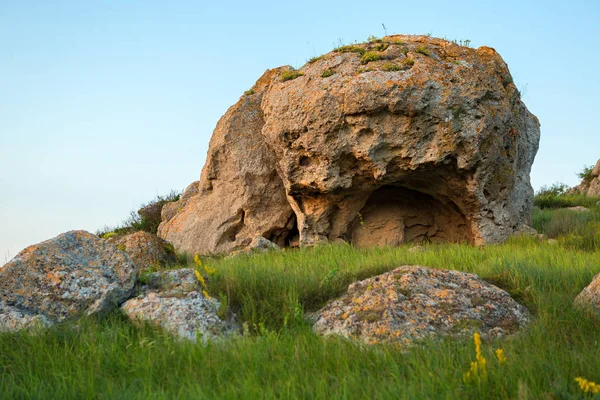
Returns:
point(404, 139)
point(74, 274)
point(412, 303)
point(591, 185)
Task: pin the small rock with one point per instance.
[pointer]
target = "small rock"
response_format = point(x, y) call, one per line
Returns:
point(412, 303)
point(13, 319)
point(190, 317)
point(258, 245)
point(74, 274)
point(526, 230)
point(182, 280)
point(145, 249)
point(578, 209)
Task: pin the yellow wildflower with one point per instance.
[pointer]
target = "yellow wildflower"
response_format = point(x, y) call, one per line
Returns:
point(587, 386)
point(500, 355)
point(197, 260)
point(210, 270)
point(200, 278)
point(205, 293)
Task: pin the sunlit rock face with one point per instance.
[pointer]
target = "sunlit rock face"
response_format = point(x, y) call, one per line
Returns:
point(407, 139)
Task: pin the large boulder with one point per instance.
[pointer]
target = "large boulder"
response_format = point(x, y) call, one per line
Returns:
point(591, 185)
point(74, 274)
point(412, 303)
point(406, 139)
point(145, 249)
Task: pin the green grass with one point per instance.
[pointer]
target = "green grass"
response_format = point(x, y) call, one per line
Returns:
point(370, 56)
point(351, 48)
point(423, 50)
point(290, 74)
point(327, 73)
point(282, 358)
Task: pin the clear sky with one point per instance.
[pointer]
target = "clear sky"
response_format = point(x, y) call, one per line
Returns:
point(105, 104)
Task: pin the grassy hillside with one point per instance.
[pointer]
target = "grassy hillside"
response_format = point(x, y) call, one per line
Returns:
point(279, 356)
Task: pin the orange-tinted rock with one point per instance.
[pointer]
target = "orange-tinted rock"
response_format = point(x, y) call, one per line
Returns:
point(412, 303)
point(145, 249)
point(430, 142)
point(74, 274)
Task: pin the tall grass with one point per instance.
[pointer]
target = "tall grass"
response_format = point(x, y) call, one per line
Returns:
point(282, 358)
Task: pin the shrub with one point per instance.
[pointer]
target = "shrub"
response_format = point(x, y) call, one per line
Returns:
point(147, 218)
point(290, 74)
point(586, 175)
point(249, 92)
point(409, 61)
point(327, 73)
point(423, 50)
point(374, 39)
point(370, 56)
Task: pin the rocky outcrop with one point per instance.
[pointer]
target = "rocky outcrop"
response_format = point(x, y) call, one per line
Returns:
point(406, 139)
point(145, 249)
point(590, 186)
point(189, 317)
point(412, 303)
point(74, 274)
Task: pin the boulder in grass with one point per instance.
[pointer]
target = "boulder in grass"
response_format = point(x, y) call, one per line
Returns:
point(189, 317)
point(413, 303)
point(74, 274)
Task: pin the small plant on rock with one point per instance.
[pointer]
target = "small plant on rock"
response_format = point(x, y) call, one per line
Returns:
point(423, 50)
point(327, 73)
point(351, 48)
point(290, 74)
point(370, 56)
point(587, 174)
point(390, 66)
point(249, 92)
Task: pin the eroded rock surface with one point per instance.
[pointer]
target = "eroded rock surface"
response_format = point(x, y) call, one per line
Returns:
point(188, 317)
point(145, 249)
point(412, 303)
point(74, 274)
point(428, 141)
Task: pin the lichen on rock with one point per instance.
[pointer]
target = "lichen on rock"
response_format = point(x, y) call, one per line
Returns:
point(412, 303)
point(69, 276)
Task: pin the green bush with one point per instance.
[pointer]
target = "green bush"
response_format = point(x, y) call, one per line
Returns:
point(327, 73)
point(147, 218)
point(586, 175)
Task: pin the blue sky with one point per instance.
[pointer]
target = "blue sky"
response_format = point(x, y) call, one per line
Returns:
point(105, 104)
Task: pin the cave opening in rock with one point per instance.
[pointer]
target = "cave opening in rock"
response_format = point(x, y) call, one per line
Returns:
point(394, 215)
point(288, 236)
